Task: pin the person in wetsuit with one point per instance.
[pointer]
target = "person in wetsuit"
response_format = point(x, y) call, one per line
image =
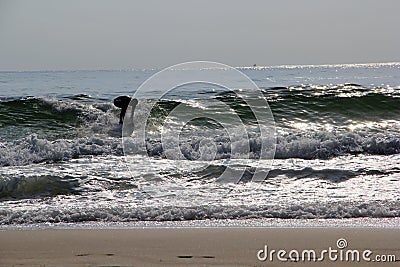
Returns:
point(122, 102)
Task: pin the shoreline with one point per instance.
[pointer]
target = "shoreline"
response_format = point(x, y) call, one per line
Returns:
point(362, 223)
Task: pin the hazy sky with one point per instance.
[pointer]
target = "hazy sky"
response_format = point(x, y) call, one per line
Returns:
point(94, 34)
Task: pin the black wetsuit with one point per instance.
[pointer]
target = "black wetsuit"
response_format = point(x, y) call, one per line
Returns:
point(122, 102)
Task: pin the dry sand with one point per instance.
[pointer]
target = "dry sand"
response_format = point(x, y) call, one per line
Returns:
point(185, 246)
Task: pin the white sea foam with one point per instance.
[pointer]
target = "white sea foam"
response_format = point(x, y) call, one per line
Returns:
point(323, 145)
point(34, 150)
point(171, 213)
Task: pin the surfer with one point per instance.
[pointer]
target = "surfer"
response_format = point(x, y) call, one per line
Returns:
point(122, 102)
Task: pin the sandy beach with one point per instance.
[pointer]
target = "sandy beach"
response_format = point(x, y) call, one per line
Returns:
point(187, 246)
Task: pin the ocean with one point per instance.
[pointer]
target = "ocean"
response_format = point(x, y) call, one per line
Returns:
point(334, 143)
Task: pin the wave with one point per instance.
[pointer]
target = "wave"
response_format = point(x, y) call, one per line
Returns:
point(330, 174)
point(121, 213)
point(36, 150)
point(324, 145)
point(52, 118)
point(45, 185)
point(321, 145)
point(32, 111)
point(347, 100)
point(37, 186)
point(338, 105)
point(331, 105)
point(52, 130)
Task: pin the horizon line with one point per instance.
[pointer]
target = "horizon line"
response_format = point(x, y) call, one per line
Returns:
point(258, 67)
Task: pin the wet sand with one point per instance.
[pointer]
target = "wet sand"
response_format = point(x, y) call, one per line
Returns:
point(187, 246)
